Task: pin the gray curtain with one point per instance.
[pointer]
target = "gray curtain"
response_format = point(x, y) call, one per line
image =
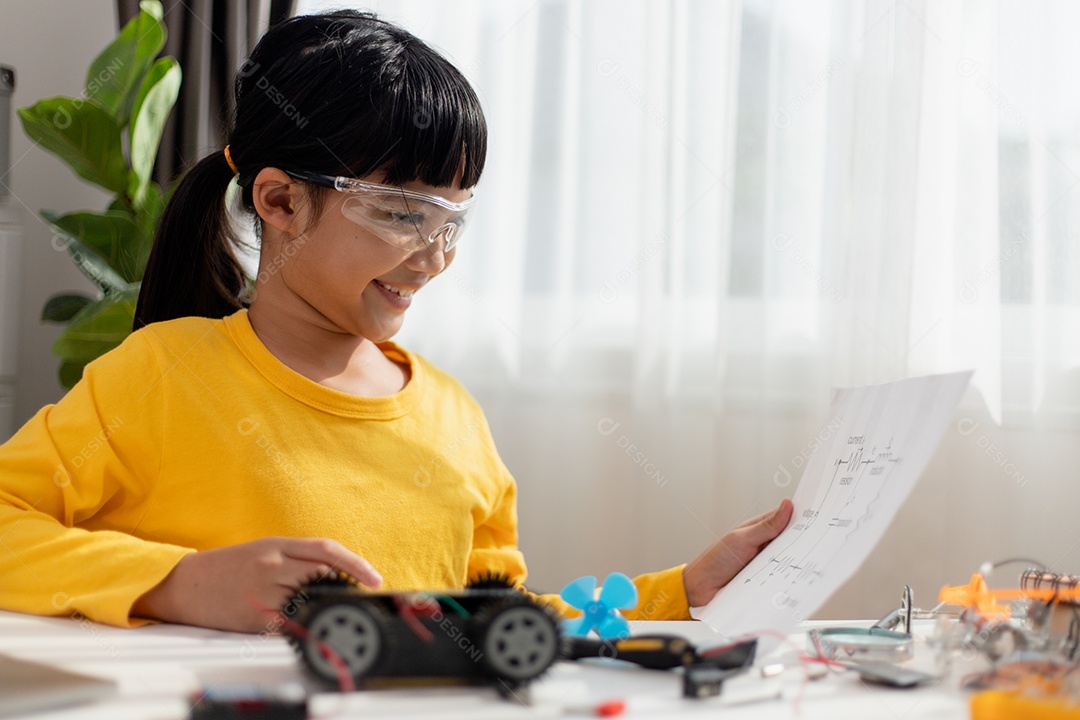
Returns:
point(210, 39)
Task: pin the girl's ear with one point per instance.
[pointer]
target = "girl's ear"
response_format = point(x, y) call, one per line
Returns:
point(279, 200)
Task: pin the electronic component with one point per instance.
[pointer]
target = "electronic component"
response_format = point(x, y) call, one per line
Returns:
point(705, 669)
point(860, 644)
point(495, 634)
point(703, 681)
point(734, 656)
point(660, 652)
point(249, 702)
point(657, 652)
point(883, 673)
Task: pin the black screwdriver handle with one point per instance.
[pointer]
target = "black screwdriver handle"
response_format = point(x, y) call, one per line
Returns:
point(656, 652)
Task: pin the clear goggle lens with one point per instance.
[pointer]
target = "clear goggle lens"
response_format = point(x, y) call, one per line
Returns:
point(406, 220)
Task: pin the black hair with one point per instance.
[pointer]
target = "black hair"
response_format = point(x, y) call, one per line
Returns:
point(343, 93)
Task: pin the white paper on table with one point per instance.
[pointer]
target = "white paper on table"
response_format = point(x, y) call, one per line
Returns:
point(865, 462)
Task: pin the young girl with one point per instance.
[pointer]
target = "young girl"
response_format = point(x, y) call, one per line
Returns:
point(241, 442)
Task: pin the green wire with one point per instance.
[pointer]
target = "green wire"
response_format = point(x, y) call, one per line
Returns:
point(452, 603)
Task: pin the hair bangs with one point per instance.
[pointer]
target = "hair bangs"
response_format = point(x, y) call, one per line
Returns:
point(364, 97)
point(436, 124)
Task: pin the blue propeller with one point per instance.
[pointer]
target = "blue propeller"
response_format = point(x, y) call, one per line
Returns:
point(600, 613)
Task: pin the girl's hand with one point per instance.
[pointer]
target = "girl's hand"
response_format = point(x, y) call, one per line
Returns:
point(714, 568)
point(225, 588)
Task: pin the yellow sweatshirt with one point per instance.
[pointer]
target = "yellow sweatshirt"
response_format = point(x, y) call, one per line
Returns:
point(191, 435)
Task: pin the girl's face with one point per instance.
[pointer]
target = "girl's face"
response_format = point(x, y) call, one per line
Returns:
point(353, 281)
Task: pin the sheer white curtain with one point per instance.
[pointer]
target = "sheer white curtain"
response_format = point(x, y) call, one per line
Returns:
point(698, 216)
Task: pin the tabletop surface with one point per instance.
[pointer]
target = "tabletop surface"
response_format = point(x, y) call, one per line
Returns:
point(159, 666)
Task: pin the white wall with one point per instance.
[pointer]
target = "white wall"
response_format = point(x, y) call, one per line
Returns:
point(50, 43)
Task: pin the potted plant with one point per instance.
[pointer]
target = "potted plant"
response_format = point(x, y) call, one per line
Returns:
point(109, 136)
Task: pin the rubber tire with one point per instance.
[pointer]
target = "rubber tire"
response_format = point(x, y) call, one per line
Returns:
point(519, 639)
point(355, 631)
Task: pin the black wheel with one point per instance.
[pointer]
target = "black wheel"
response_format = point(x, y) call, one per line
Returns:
point(519, 640)
point(354, 633)
point(313, 595)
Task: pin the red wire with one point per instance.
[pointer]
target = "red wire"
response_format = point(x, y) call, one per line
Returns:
point(425, 605)
point(345, 680)
point(803, 658)
point(410, 619)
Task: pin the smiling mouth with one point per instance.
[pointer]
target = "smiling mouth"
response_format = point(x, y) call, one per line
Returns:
point(401, 292)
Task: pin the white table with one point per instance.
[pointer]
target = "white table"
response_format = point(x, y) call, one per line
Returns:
point(157, 667)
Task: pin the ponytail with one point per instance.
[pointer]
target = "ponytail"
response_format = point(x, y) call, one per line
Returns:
point(192, 269)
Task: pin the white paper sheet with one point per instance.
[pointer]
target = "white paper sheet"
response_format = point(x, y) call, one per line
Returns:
point(864, 462)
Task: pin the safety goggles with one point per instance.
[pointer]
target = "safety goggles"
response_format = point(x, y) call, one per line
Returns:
point(406, 219)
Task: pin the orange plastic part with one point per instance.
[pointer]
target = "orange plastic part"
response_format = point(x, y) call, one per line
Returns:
point(1011, 705)
point(977, 595)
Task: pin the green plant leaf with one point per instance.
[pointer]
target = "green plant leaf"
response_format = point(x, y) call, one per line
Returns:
point(63, 306)
point(156, 98)
point(97, 328)
point(93, 265)
point(82, 134)
point(96, 267)
point(114, 77)
point(113, 235)
point(71, 373)
point(149, 215)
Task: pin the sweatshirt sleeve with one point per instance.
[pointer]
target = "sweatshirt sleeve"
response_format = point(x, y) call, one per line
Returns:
point(495, 540)
point(93, 455)
point(661, 595)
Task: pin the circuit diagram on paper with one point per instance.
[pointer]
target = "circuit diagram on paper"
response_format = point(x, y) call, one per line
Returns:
point(859, 474)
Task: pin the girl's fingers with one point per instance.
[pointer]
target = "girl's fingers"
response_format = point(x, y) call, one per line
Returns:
point(334, 555)
point(294, 573)
point(756, 519)
point(771, 523)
